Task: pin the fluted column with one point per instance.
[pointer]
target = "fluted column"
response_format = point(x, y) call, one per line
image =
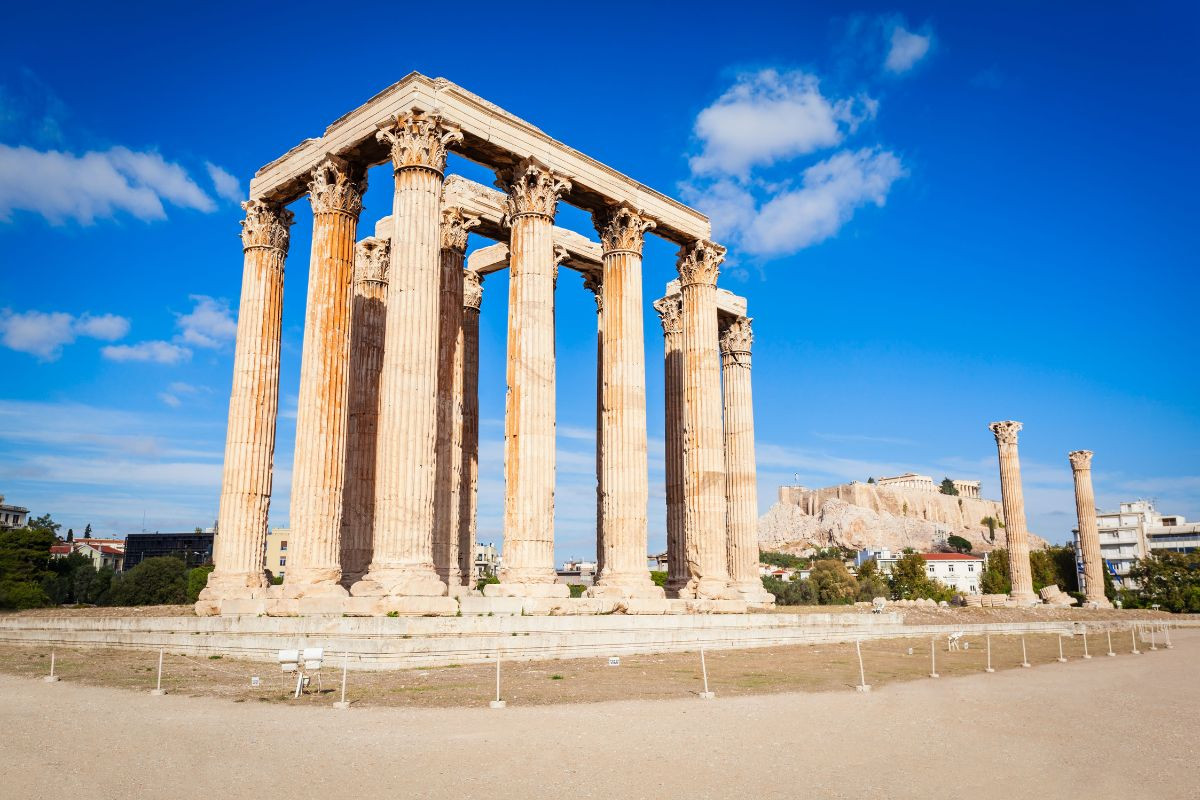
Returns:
point(253, 404)
point(402, 558)
point(703, 439)
point(319, 467)
point(367, 321)
point(466, 422)
point(741, 477)
point(446, 540)
point(595, 284)
point(1012, 497)
point(529, 418)
point(1089, 536)
point(623, 463)
point(670, 311)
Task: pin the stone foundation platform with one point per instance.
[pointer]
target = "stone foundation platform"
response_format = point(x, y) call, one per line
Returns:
point(466, 605)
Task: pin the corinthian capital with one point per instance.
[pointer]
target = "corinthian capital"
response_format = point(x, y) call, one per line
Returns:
point(1006, 431)
point(1080, 459)
point(372, 257)
point(418, 140)
point(737, 336)
point(472, 289)
point(594, 283)
point(670, 311)
point(699, 263)
point(621, 229)
point(532, 189)
point(337, 185)
point(456, 223)
point(266, 225)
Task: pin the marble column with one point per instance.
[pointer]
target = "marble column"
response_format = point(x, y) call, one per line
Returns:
point(239, 546)
point(624, 478)
point(455, 226)
point(595, 284)
point(529, 419)
point(402, 557)
point(466, 422)
point(741, 476)
point(367, 322)
point(1089, 536)
point(670, 311)
point(703, 438)
point(1013, 500)
point(319, 467)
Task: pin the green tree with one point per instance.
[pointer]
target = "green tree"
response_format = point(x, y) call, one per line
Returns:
point(959, 544)
point(833, 582)
point(44, 523)
point(87, 531)
point(197, 579)
point(659, 577)
point(871, 583)
point(796, 592)
point(995, 578)
point(786, 560)
point(870, 480)
point(991, 526)
point(70, 535)
point(1170, 580)
point(910, 580)
point(25, 566)
point(155, 581)
point(948, 487)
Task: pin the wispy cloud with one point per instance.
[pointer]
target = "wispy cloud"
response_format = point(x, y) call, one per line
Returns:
point(210, 323)
point(155, 352)
point(907, 48)
point(225, 185)
point(44, 334)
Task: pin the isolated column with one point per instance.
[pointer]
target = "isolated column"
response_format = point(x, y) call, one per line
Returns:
point(703, 450)
point(319, 468)
point(455, 225)
point(466, 422)
point(253, 405)
point(670, 311)
point(367, 321)
point(595, 284)
point(741, 478)
point(402, 558)
point(1089, 536)
point(1013, 500)
point(529, 418)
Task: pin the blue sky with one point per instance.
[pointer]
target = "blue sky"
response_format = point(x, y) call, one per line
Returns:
point(942, 214)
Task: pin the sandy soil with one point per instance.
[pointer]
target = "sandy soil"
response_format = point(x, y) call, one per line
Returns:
point(1106, 728)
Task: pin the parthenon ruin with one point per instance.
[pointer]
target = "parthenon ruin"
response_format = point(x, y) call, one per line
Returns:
point(387, 431)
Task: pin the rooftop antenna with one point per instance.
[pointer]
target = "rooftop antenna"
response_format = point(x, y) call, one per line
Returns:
point(143, 520)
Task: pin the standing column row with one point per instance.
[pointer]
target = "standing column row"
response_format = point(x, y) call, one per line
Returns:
point(670, 312)
point(1089, 534)
point(1013, 500)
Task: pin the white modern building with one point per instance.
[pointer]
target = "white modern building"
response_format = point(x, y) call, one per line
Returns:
point(884, 559)
point(12, 516)
point(960, 571)
point(1135, 530)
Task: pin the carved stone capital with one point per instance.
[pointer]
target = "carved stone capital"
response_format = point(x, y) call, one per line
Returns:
point(472, 290)
point(670, 311)
point(594, 283)
point(418, 140)
point(1006, 431)
point(266, 225)
point(337, 185)
point(737, 336)
point(456, 223)
point(621, 229)
point(1080, 459)
point(372, 258)
point(699, 262)
point(532, 189)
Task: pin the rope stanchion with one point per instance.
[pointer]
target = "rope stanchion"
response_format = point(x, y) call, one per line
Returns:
point(1024, 655)
point(1133, 636)
point(989, 654)
point(342, 705)
point(497, 703)
point(863, 686)
point(1061, 658)
point(1086, 654)
point(1108, 632)
point(933, 673)
point(157, 691)
point(706, 694)
point(51, 678)
point(1153, 645)
point(1167, 634)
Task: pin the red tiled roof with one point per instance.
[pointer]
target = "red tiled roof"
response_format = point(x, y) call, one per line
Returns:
point(61, 549)
point(950, 557)
point(111, 551)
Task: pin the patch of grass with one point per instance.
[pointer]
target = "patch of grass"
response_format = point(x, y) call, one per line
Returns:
point(215, 658)
point(556, 677)
point(393, 613)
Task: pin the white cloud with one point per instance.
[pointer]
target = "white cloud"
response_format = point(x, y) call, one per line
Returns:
point(226, 185)
point(44, 334)
point(62, 186)
point(209, 324)
point(768, 116)
point(156, 352)
point(906, 50)
point(170, 399)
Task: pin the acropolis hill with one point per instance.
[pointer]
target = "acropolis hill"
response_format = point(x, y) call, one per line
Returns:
point(904, 511)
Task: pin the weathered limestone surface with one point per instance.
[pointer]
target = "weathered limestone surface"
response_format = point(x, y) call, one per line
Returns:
point(1089, 536)
point(367, 321)
point(595, 284)
point(741, 476)
point(402, 558)
point(529, 420)
point(253, 405)
point(318, 472)
point(670, 312)
point(1013, 498)
point(624, 486)
point(961, 515)
point(703, 438)
point(466, 421)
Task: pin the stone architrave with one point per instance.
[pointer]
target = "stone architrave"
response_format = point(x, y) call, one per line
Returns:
point(670, 312)
point(624, 478)
point(446, 531)
point(240, 544)
point(703, 437)
point(529, 420)
point(318, 472)
point(1013, 500)
point(402, 556)
point(741, 477)
point(466, 421)
point(594, 283)
point(368, 316)
point(1089, 535)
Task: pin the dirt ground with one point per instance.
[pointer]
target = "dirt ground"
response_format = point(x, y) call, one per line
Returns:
point(1119, 727)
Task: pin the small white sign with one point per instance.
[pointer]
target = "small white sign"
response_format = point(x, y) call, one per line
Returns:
point(254, 681)
point(614, 661)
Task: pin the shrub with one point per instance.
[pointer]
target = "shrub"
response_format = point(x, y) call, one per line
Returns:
point(155, 581)
point(197, 579)
point(659, 577)
point(577, 589)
